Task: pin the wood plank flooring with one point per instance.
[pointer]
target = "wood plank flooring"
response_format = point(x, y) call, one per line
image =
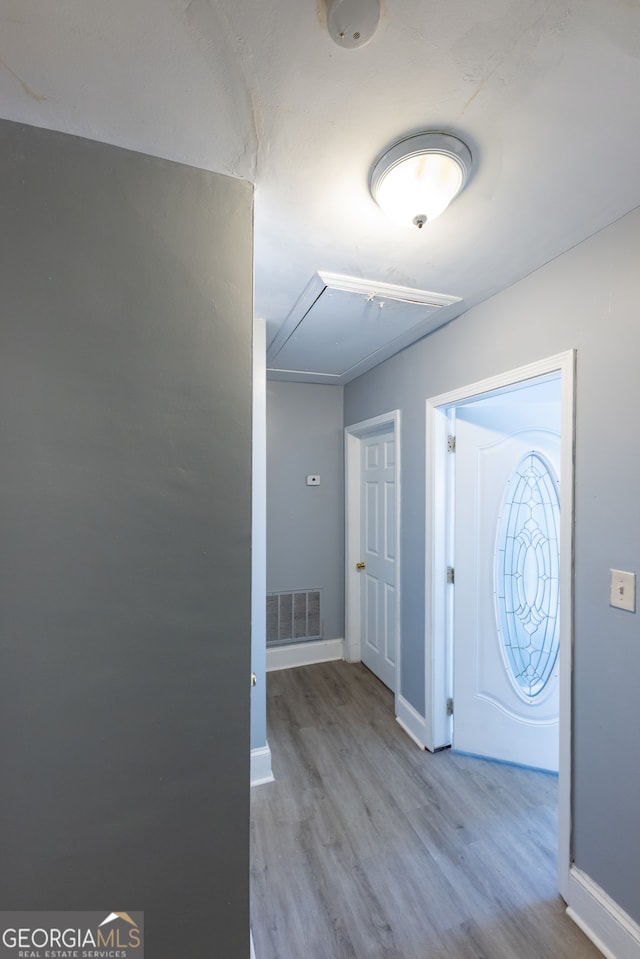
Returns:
point(366, 847)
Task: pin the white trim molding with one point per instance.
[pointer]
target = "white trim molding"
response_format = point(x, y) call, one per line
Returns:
point(387, 291)
point(252, 951)
point(260, 763)
point(411, 721)
point(304, 654)
point(261, 771)
point(609, 928)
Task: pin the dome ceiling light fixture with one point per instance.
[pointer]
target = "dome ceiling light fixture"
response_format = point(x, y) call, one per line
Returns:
point(415, 180)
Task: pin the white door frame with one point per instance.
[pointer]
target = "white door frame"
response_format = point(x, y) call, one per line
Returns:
point(353, 436)
point(438, 615)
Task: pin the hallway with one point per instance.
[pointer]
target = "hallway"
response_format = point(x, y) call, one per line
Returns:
point(365, 847)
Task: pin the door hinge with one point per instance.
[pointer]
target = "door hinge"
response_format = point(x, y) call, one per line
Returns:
point(451, 444)
point(451, 574)
point(450, 706)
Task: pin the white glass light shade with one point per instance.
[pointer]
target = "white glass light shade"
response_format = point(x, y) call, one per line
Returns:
point(417, 178)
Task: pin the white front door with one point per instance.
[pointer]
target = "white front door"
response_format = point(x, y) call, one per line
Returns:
point(506, 589)
point(378, 594)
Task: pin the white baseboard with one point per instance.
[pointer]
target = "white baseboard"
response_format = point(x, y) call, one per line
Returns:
point(411, 721)
point(261, 771)
point(304, 654)
point(609, 928)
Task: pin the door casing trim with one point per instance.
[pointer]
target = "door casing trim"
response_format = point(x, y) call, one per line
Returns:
point(437, 539)
point(353, 435)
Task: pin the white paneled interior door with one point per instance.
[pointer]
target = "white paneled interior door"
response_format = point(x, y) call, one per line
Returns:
point(506, 589)
point(378, 593)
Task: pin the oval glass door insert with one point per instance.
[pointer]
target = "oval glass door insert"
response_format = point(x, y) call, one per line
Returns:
point(527, 575)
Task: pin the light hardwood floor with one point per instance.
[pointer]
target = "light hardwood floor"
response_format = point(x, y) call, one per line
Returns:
point(366, 847)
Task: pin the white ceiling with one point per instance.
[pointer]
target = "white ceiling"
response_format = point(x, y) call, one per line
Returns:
point(546, 94)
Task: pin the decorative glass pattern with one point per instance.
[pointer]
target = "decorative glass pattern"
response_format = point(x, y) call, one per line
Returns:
point(527, 575)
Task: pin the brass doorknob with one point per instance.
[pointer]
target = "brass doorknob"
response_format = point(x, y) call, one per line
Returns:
point(360, 565)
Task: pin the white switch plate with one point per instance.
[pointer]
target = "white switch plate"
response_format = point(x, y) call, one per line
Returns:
point(313, 479)
point(623, 590)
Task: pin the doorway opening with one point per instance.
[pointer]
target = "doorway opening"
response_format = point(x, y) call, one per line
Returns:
point(504, 500)
point(460, 512)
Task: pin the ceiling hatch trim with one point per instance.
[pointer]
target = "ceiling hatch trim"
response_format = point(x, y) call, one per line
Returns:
point(342, 326)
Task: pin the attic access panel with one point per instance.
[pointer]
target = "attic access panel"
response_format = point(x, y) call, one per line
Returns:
point(339, 323)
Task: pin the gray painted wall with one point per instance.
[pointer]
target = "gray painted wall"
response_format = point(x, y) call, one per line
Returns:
point(305, 524)
point(125, 527)
point(588, 299)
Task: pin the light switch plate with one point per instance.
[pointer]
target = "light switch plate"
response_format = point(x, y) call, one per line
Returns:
point(623, 590)
point(313, 479)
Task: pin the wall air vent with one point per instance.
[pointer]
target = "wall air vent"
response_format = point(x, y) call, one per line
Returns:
point(342, 326)
point(294, 616)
